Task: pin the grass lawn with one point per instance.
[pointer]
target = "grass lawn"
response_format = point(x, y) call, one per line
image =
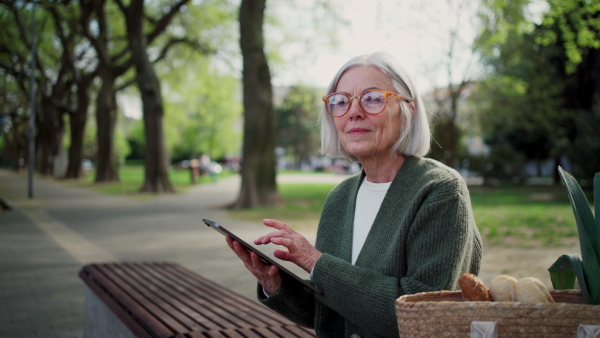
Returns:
point(301, 207)
point(519, 216)
point(132, 177)
point(526, 216)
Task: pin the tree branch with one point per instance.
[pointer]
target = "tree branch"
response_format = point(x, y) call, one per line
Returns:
point(163, 22)
point(126, 84)
point(121, 5)
point(202, 48)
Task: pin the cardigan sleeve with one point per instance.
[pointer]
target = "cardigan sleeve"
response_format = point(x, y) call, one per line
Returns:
point(444, 243)
point(292, 300)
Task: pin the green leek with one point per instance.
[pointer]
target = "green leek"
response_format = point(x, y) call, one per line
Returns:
point(587, 267)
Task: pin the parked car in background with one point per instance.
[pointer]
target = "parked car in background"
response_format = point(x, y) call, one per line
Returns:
point(87, 164)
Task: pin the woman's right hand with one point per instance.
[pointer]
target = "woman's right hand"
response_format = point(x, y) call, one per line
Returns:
point(267, 275)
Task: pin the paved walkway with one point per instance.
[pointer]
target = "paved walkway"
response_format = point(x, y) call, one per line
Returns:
point(45, 241)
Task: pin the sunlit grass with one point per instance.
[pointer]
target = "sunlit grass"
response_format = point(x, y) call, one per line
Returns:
point(302, 205)
point(524, 214)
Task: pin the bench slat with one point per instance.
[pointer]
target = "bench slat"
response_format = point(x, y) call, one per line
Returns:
point(244, 308)
point(212, 300)
point(298, 331)
point(268, 332)
point(227, 333)
point(193, 317)
point(167, 300)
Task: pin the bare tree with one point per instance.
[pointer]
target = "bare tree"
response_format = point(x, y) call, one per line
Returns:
point(452, 25)
point(259, 186)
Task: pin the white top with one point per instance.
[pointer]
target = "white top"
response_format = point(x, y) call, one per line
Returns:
point(369, 198)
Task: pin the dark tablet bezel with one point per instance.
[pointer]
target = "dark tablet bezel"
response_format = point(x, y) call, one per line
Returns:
point(266, 259)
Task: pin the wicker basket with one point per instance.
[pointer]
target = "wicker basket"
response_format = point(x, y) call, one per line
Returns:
point(445, 314)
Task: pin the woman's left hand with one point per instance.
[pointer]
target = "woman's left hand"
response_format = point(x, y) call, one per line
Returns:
point(300, 251)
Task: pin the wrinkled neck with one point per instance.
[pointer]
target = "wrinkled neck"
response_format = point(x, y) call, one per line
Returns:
point(381, 169)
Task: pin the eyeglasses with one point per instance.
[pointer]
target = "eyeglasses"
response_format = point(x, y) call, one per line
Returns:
point(372, 102)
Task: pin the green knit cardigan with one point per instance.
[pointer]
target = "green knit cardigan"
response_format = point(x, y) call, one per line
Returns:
point(423, 238)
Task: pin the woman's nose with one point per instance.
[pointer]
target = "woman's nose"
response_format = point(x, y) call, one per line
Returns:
point(355, 110)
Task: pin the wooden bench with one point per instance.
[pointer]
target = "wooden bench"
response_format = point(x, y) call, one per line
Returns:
point(168, 300)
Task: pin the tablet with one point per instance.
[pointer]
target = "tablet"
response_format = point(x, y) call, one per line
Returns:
point(266, 259)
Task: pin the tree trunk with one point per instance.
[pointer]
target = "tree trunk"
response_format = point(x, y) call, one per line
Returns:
point(77, 122)
point(93, 18)
point(259, 186)
point(77, 125)
point(16, 139)
point(106, 119)
point(453, 130)
point(156, 175)
point(49, 135)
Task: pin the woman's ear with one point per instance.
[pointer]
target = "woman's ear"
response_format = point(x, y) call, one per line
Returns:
point(413, 108)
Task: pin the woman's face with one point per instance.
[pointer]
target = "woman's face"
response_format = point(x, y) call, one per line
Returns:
point(362, 134)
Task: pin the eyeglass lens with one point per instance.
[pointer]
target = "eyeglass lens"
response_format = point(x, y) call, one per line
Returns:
point(371, 102)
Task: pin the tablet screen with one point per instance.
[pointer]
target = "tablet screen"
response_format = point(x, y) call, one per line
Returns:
point(266, 259)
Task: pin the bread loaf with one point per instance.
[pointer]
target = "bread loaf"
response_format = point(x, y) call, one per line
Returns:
point(473, 288)
point(532, 290)
point(502, 288)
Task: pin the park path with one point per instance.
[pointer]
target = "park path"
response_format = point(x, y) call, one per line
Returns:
point(46, 240)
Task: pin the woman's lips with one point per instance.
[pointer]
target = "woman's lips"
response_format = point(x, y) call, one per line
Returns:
point(358, 131)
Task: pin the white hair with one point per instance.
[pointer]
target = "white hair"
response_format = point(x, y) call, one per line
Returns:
point(414, 138)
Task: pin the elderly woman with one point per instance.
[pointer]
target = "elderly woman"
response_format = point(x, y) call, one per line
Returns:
point(402, 225)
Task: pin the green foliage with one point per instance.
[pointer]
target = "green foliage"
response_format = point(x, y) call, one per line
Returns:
point(585, 147)
point(578, 23)
point(538, 101)
point(202, 108)
point(203, 112)
point(501, 22)
point(122, 148)
point(136, 138)
point(519, 110)
point(15, 69)
point(204, 28)
point(116, 30)
point(297, 118)
point(587, 267)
